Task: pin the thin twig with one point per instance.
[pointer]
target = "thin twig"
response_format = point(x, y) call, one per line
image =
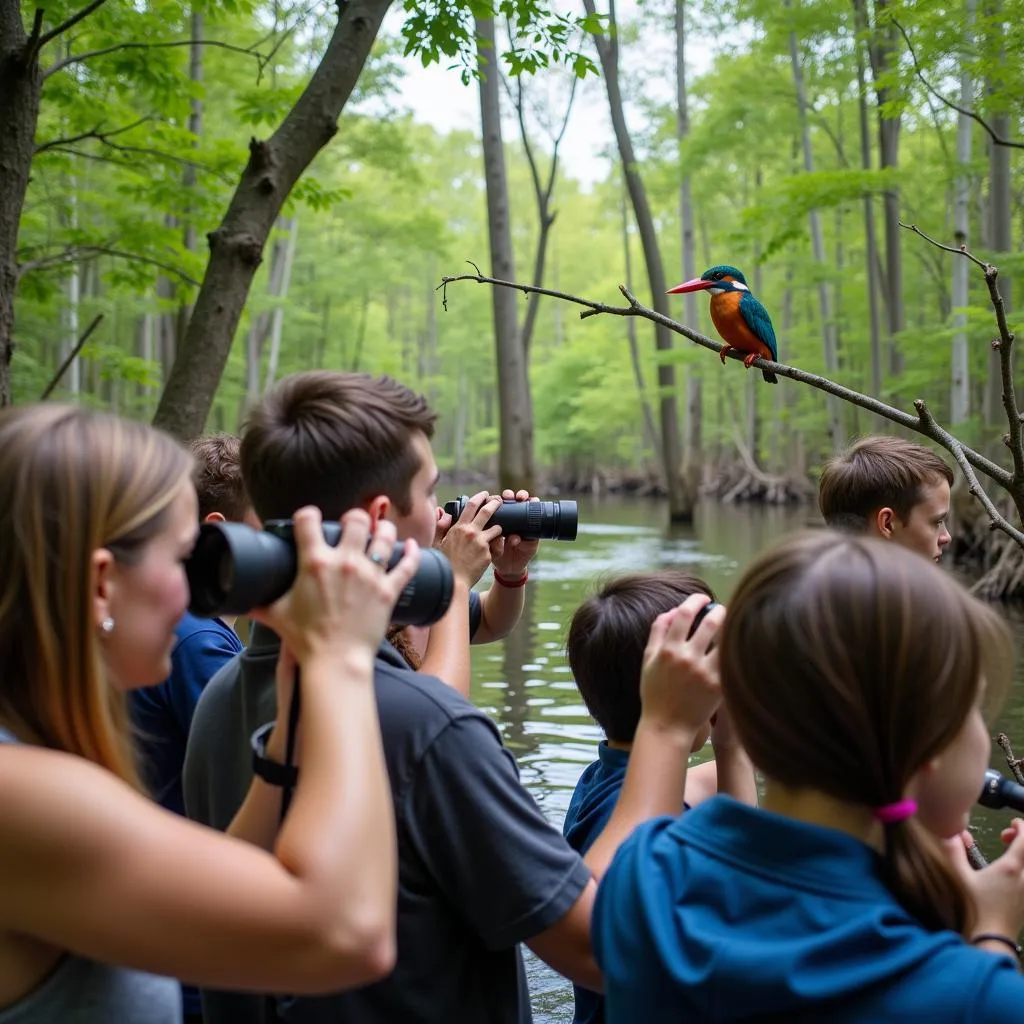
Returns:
point(924, 425)
point(77, 58)
point(79, 253)
point(47, 37)
point(93, 133)
point(1014, 762)
point(992, 134)
point(1004, 346)
point(958, 250)
point(62, 369)
point(975, 857)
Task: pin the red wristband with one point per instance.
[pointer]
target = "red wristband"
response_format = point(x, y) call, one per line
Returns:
point(511, 584)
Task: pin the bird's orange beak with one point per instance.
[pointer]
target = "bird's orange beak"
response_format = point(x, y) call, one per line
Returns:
point(698, 284)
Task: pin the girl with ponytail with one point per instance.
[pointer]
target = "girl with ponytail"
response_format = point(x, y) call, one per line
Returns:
point(856, 675)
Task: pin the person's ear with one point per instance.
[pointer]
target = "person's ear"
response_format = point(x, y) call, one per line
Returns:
point(885, 522)
point(378, 507)
point(215, 517)
point(103, 569)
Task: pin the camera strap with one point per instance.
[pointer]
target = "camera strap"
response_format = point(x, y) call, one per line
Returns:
point(293, 727)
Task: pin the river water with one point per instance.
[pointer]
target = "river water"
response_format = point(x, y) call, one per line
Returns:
point(525, 685)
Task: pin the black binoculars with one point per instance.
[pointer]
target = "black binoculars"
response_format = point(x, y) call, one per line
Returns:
point(531, 520)
point(235, 568)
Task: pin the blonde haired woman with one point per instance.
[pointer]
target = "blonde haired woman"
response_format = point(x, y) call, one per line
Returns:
point(103, 889)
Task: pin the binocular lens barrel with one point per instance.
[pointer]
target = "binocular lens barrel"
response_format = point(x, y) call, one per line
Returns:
point(531, 520)
point(235, 568)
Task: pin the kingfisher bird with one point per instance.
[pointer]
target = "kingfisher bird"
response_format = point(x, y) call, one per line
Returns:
point(739, 318)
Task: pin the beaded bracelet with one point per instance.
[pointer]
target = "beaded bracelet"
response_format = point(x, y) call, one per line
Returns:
point(1004, 939)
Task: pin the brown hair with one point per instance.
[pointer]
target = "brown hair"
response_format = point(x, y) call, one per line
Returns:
point(847, 665)
point(218, 477)
point(72, 481)
point(877, 472)
point(607, 638)
point(332, 440)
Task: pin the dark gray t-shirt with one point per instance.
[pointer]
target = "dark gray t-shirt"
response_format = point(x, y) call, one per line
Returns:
point(81, 991)
point(480, 869)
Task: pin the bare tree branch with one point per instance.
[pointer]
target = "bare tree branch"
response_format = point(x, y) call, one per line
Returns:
point(78, 58)
point(94, 133)
point(37, 41)
point(1014, 439)
point(1015, 763)
point(997, 139)
point(81, 253)
point(923, 423)
point(63, 368)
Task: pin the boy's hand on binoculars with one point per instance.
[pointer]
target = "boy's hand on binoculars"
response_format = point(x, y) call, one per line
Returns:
point(511, 555)
point(342, 596)
point(467, 542)
point(680, 686)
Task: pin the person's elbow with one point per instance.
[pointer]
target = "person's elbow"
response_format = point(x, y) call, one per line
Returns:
point(350, 954)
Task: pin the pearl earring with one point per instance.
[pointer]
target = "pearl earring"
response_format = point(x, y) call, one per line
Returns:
point(107, 625)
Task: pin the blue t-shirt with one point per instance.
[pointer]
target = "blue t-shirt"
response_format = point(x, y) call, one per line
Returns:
point(734, 914)
point(593, 801)
point(162, 716)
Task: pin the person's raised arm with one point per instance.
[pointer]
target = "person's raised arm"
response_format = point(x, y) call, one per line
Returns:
point(501, 606)
point(467, 545)
point(679, 692)
point(93, 867)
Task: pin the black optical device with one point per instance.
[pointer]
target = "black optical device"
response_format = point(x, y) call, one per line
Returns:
point(235, 568)
point(999, 792)
point(531, 520)
point(699, 617)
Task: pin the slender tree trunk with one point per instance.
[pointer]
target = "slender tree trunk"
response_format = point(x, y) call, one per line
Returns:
point(870, 235)
point(634, 349)
point(882, 51)
point(692, 452)
point(19, 114)
point(515, 454)
point(195, 127)
point(277, 317)
point(960, 386)
point(607, 50)
point(1000, 219)
point(236, 247)
point(828, 327)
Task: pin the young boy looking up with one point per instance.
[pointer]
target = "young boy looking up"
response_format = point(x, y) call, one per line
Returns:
point(605, 644)
point(889, 488)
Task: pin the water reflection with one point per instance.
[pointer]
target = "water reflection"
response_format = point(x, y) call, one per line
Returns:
point(525, 684)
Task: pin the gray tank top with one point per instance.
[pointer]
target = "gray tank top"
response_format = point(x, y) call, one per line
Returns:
point(80, 991)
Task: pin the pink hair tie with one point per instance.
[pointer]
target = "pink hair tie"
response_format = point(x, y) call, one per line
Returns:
point(892, 814)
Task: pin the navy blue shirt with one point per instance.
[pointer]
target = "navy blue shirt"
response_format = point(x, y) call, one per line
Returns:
point(731, 913)
point(162, 716)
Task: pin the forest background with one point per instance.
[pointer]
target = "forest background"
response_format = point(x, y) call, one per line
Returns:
point(790, 140)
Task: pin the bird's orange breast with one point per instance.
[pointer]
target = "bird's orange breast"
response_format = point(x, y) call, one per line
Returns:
point(729, 322)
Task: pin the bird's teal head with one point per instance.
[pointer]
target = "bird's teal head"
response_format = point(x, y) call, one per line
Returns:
point(717, 279)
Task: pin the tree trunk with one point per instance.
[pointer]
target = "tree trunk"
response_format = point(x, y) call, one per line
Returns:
point(1000, 217)
point(828, 327)
point(882, 51)
point(634, 350)
point(692, 471)
point(195, 127)
point(515, 452)
point(19, 113)
point(960, 385)
point(236, 247)
point(277, 317)
point(870, 234)
point(607, 49)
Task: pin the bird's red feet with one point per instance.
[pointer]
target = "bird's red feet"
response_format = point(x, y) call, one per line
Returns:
point(722, 352)
point(749, 360)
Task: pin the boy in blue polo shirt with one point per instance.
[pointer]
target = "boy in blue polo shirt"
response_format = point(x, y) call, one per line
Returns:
point(605, 645)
